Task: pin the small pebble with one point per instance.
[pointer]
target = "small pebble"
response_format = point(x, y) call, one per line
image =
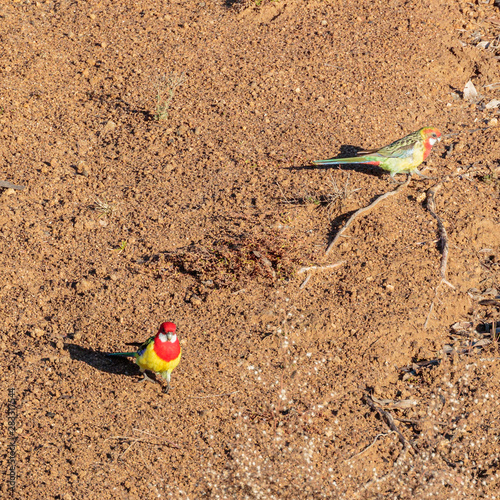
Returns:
point(182, 130)
point(81, 168)
point(195, 300)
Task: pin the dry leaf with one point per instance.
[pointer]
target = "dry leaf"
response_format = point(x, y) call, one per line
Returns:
point(494, 103)
point(448, 349)
point(470, 92)
point(482, 343)
point(462, 325)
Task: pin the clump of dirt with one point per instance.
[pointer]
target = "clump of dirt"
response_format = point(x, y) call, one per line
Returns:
point(237, 261)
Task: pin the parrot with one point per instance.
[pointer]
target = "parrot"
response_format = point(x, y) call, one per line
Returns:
point(401, 157)
point(160, 353)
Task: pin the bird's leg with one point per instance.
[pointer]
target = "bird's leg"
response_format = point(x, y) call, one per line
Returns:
point(166, 376)
point(146, 377)
point(424, 176)
point(391, 177)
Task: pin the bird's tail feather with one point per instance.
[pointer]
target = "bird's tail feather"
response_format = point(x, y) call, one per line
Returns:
point(122, 354)
point(335, 161)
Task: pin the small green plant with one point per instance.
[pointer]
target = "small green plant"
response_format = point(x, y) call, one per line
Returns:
point(312, 199)
point(122, 246)
point(103, 207)
point(490, 178)
point(165, 90)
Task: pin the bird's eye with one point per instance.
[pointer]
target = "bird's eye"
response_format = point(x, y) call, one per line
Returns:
point(434, 134)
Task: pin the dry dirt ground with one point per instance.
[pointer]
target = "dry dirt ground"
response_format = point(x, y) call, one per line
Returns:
point(359, 384)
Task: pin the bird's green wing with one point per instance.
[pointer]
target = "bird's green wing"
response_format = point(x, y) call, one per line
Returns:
point(143, 347)
point(399, 152)
point(402, 148)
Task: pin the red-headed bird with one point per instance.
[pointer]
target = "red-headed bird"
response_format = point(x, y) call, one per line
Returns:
point(159, 354)
point(401, 157)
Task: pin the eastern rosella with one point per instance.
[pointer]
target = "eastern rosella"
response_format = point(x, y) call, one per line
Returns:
point(159, 354)
point(401, 157)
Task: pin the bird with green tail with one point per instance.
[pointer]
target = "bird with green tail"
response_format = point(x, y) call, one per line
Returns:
point(400, 157)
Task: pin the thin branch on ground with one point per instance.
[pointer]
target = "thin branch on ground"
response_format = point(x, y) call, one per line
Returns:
point(387, 417)
point(305, 282)
point(370, 445)
point(158, 437)
point(366, 209)
point(314, 268)
point(138, 440)
point(9, 185)
point(214, 395)
point(443, 238)
point(317, 268)
point(382, 479)
point(128, 448)
point(432, 306)
point(443, 235)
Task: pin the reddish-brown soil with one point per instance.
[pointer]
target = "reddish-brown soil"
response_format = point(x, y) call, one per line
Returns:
point(205, 218)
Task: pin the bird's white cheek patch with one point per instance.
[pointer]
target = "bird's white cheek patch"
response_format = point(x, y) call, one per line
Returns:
point(174, 338)
point(162, 337)
point(432, 141)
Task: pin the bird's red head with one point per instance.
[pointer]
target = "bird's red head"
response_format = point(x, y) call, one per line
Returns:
point(430, 136)
point(167, 327)
point(167, 345)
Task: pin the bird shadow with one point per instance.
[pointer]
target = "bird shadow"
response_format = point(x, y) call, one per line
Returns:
point(232, 3)
point(102, 362)
point(346, 151)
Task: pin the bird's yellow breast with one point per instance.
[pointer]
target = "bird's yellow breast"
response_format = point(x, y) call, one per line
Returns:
point(151, 361)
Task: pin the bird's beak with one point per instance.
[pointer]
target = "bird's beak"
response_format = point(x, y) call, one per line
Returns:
point(169, 336)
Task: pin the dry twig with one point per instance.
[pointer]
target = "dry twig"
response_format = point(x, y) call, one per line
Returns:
point(315, 268)
point(387, 417)
point(432, 307)
point(139, 440)
point(365, 209)
point(443, 236)
point(370, 445)
point(380, 480)
point(9, 185)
